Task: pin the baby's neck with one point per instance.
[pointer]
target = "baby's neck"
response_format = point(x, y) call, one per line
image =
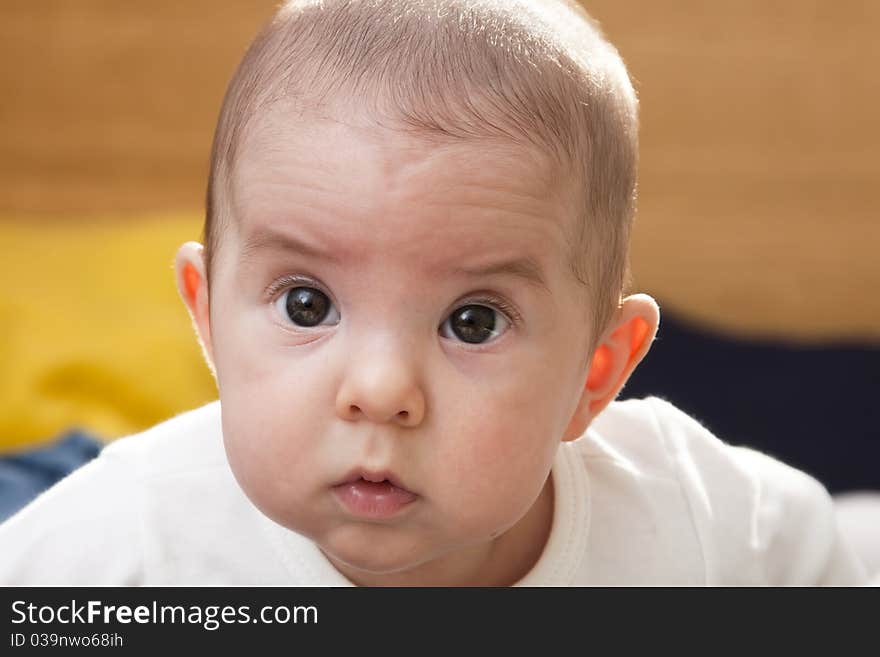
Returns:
point(517, 551)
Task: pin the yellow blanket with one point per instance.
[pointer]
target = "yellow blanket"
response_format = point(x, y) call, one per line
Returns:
point(92, 332)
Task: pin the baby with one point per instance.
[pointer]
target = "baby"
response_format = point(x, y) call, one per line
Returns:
point(411, 296)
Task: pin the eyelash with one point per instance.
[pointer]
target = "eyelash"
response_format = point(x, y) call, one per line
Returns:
point(498, 303)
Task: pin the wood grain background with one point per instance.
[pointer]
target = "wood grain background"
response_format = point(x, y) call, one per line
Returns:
point(759, 178)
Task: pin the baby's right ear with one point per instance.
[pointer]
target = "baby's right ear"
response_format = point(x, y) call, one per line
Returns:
point(192, 283)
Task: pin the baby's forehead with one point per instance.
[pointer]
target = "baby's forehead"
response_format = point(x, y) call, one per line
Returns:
point(354, 200)
point(333, 141)
point(355, 186)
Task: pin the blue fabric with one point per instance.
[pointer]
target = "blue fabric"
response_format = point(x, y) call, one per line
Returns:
point(25, 475)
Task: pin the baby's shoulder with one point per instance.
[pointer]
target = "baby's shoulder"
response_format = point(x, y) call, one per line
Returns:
point(652, 436)
point(190, 440)
point(99, 524)
point(659, 441)
point(754, 518)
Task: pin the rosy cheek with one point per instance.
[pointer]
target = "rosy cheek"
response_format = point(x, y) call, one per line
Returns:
point(475, 458)
point(262, 464)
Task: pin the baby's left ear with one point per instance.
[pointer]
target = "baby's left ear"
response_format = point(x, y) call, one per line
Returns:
point(622, 347)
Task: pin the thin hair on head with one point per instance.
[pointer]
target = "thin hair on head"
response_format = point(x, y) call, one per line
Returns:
point(537, 73)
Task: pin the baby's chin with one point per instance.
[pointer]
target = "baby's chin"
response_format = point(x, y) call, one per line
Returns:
point(370, 554)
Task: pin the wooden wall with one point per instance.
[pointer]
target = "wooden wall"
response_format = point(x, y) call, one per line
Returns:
point(759, 179)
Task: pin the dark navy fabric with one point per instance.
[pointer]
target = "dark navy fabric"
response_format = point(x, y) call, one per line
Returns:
point(25, 475)
point(816, 408)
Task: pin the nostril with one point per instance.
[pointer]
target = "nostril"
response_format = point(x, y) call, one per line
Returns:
point(354, 411)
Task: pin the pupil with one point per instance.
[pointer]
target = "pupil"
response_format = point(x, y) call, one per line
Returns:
point(307, 306)
point(474, 324)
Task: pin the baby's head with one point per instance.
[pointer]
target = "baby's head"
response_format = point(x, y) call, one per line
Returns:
point(416, 244)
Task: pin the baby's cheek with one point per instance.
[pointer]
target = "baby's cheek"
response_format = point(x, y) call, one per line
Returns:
point(262, 437)
point(269, 467)
point(495, 469)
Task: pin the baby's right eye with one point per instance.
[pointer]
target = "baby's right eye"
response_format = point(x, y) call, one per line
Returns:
point(307, 307)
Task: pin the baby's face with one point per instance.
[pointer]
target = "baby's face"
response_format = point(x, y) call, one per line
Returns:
point(386, 310)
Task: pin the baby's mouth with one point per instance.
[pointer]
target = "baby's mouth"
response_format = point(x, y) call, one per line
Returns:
point(383, 487)
point(373, 477)
point(373, 495)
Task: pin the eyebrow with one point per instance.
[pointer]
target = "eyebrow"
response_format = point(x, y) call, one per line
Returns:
point(525, 268)
point(268, 239)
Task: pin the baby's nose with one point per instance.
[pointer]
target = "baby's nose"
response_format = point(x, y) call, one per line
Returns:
point(382, 386)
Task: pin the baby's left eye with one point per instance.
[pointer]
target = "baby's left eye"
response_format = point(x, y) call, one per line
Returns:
point(475, 324)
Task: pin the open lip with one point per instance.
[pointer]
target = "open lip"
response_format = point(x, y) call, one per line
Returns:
point(375, 476)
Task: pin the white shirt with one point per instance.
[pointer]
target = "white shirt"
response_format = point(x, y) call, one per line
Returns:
point(647, 496)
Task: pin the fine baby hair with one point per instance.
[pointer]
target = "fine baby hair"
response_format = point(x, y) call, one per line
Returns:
point(528, 72)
